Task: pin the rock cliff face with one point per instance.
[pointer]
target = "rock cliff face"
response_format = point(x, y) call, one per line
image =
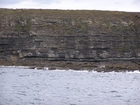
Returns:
point(70, 39)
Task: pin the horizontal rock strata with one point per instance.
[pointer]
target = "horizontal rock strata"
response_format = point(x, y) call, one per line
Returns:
point(70, 39)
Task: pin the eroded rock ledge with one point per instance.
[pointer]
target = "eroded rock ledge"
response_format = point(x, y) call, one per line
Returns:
point(70, 39)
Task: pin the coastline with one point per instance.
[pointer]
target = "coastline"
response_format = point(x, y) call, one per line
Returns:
point(70, 39)
point(120, 66)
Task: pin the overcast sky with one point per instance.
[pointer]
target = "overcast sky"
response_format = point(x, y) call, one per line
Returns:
point(117, 5)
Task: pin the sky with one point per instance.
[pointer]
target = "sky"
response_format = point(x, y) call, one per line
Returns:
point(112, 5)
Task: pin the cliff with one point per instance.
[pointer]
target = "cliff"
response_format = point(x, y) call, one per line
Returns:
point(75, 39)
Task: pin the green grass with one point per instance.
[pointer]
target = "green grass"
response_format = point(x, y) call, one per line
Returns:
point(99, 18)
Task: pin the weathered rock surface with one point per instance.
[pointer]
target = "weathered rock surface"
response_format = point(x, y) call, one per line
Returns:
point(70, 39)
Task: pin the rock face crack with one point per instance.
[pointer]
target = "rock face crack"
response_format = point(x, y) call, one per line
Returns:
point(38, 37)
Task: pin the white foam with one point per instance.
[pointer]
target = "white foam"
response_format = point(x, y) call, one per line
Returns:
point(136, 71)
point(2, 66)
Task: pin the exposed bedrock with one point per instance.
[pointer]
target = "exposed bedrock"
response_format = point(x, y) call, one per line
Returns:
point(75, 39)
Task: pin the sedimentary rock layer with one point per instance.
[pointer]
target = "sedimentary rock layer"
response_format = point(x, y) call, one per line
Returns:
point(70, 38)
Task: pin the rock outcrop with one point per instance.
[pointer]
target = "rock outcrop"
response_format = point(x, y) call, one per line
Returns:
point(75, 39)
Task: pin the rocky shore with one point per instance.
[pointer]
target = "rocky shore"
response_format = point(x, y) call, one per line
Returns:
point(70, 39)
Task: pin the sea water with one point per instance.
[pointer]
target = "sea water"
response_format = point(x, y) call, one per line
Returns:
point(23, 86)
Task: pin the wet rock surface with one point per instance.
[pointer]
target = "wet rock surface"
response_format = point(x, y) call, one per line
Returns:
point(70, 39)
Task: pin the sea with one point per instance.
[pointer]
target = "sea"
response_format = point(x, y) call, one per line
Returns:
point(24, 86)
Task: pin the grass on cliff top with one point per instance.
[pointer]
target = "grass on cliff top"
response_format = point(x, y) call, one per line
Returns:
point(66, 13)
point(100, 19)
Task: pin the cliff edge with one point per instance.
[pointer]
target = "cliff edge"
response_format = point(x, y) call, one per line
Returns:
point(70, 39)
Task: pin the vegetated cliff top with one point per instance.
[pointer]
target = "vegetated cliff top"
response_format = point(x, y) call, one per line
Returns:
point(83, 14)
point(68, 20)
point(67, 13)
point(61, 12)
